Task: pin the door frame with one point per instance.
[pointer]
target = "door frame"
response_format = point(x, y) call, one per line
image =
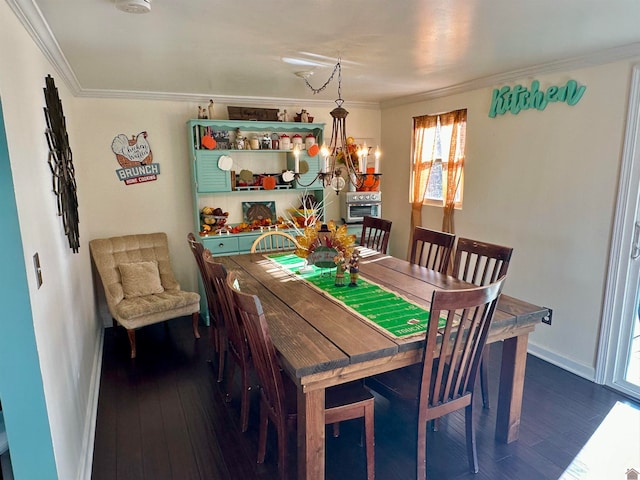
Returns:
point(21, 386)
point(619, 304)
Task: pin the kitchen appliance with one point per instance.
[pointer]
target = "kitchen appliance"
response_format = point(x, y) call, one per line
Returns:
point(354, 206)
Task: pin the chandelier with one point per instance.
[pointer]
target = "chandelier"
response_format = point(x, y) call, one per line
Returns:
point(342, 157)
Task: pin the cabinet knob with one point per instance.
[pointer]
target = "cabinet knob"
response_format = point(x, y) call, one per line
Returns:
point(221, 244)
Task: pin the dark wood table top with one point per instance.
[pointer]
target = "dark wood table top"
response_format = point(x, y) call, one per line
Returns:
point(315, 334)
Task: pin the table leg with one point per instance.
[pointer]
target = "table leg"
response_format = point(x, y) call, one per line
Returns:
point(514, 361)
point(311, 439)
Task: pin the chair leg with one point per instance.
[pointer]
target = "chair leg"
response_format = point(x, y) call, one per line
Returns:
point(484, 385)
point(471, 438)
point(232, 373)
point(262, 432)
point(369, 441)
point(213, 341)
point(244, 405)
point(132, 342)
point(282, 450)
point(195, 320)
point(421, 456)
point(221, 353)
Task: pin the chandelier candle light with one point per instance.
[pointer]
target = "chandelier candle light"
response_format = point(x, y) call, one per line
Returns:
point(342, 154)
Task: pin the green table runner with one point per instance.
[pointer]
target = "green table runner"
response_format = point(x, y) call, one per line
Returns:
point(387, 310)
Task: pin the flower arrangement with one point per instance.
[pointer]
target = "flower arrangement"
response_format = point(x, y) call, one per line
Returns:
point(352, 147)
point(323, 237)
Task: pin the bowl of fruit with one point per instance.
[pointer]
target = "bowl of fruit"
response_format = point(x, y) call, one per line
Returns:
point(212, 219)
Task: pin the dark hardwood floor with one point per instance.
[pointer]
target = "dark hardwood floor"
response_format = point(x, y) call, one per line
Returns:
point(163, 416)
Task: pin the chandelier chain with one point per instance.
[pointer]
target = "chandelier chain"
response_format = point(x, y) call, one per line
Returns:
point(337, 68)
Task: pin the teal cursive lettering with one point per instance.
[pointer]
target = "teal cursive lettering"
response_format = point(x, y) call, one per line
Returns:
point(520, 98)
point(574, 94)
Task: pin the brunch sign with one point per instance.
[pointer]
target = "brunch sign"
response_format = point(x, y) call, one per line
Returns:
point(135, 157)
point(507, 99)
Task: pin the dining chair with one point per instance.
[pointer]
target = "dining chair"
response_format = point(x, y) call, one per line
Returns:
point(375, 233)
point(431, 248)
point(274, 241)
point(278, 395)
point(215, 313)
point(481, 263)
point(216, 277)
point(444, 381)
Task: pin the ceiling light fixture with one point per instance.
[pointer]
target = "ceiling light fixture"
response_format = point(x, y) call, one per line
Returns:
point(342, 154)
point(134, 6)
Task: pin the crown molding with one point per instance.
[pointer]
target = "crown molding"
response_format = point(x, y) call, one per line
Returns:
point(574, 63)
point(33, 21)
point(221, 99)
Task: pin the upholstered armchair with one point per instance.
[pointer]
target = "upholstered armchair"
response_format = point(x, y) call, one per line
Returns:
point(139, 284)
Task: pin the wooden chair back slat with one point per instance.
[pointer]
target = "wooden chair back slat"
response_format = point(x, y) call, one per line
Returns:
point(216, 275)
point(375, 233)
point(212, 301)
point(480, 263)
point(453, 353)
point(263, 352)
point(273, 242)
point(431, 249)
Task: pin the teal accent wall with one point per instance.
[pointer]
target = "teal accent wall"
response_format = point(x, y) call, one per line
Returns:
point(21, 389)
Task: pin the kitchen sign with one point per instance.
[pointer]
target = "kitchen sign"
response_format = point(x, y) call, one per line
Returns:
point(135, 157)
point(507, 99)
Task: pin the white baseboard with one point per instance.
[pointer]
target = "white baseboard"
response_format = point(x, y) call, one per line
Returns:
point(86, 457)
point(584, 371)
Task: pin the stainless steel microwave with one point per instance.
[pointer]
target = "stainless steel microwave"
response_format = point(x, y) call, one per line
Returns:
point(354, 206)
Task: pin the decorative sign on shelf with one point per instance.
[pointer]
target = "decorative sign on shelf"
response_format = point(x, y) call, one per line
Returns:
point(507, 99)
point(135, 157)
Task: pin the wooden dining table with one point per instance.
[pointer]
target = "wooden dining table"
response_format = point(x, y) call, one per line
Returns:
point(322, 343)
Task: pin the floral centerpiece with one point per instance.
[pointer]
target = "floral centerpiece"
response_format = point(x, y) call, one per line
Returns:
point(352, 147)
point(323, 242)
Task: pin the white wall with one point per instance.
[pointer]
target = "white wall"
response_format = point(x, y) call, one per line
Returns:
point(67, 334)
point(66, 323)
point(165, 204)
point(543, 182)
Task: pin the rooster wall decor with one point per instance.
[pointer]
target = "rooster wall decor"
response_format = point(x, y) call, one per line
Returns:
point(136, 159)
point(61, 163)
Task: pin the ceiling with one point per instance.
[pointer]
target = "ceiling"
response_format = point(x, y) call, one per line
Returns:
point(390, 50)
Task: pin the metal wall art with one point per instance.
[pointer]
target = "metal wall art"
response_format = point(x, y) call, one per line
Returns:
point(61, 164)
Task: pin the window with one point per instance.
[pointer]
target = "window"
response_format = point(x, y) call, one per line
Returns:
point(438, 164)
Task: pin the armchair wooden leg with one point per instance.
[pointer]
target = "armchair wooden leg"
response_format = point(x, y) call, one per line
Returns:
point(132, 342)
point(195, 317)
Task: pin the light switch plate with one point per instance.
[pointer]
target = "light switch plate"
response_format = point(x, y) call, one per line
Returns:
point(36, 266)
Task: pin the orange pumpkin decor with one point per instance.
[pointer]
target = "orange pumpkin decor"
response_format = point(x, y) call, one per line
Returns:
point(269, 182)
point(313, 150)
point(208, 142)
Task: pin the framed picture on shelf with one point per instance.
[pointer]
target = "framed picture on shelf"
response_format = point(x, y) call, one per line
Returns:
point(222, 139)
point(259, 211)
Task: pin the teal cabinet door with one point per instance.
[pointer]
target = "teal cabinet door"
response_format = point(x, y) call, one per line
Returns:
point(308, 180)
point(210, 178)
